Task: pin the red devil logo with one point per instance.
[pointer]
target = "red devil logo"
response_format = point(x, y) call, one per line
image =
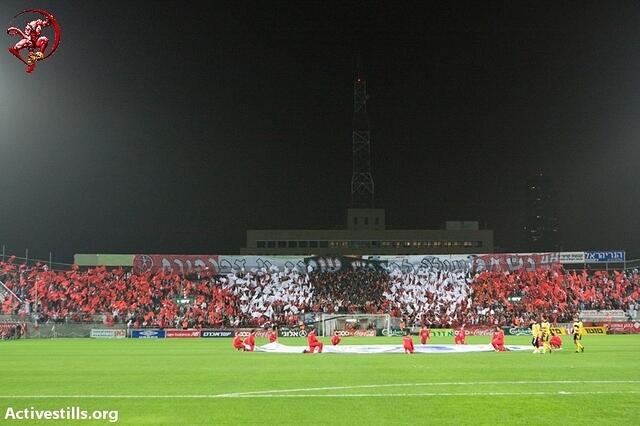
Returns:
point(33, 40)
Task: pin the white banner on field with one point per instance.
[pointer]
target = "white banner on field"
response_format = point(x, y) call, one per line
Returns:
point(387, 349)
point(108, 333)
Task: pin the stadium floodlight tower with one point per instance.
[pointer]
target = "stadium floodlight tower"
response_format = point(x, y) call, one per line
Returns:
point(362, 189)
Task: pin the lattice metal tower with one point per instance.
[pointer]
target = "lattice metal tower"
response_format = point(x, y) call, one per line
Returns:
point(362, 189)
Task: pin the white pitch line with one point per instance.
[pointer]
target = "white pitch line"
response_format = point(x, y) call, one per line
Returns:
point(386, 395)
point(346, 395)
point(290, 393)
point(388, 385)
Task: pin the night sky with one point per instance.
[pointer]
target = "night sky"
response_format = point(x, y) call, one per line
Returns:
point(161, 127)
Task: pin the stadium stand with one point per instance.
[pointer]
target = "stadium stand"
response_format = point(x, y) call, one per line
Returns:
point(270, 296)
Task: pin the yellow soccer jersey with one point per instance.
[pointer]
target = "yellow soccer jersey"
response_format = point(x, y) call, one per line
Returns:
point(535, 330)
point(577, 327)
point(546, 329)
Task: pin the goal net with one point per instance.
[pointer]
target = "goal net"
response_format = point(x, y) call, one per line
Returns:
point(355, 324)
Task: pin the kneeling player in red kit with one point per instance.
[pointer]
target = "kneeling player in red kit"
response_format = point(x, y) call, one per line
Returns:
point(237, 342)
point(250, 341)
point(314, 343)
point(498, 340)
point(407, 344)
point(272, 335)
point(425, 335)
point(335, 339)
point(556, 341)
point(461, 335)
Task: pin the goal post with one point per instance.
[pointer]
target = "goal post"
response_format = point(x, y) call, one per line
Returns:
point(356, 324)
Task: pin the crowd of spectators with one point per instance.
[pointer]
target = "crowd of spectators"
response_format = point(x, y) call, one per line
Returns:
point(429, 297)
point(262, 297)
point(515, 298)
point(349, 291)
point(268, 296)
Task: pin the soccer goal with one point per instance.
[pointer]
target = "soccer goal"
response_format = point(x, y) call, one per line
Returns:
point(355, 324)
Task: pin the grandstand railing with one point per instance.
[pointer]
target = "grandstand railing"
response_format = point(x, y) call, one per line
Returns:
point(628, 265)
point(54, 266)
point(632, 264)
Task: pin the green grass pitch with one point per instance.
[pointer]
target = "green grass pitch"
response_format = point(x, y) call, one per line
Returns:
point(180, 382)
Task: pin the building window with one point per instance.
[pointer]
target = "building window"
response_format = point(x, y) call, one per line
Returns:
point(358, 244)
point(323, 244)
point(303, 244)
point(366, 220)
point(313, 244)
point(355, 220)
point(260, 244)
point(282, 244)
point(377, 221)
point(271, 244)
point(292, 244)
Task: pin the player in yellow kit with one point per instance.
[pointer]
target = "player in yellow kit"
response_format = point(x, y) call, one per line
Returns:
point(577, 334)
point(535, 336)
point(546, 335)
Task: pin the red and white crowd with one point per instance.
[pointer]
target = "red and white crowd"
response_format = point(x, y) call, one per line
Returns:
point(261, 297)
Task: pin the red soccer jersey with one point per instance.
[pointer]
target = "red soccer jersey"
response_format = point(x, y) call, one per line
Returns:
point(498, 336)
point(312, 339)
point(250, 341)
point(272, 336)
point(407, 343)
point(556, 341)
point(335, 339)
point(237, 342)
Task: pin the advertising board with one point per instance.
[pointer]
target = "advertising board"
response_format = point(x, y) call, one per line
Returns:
point(148, 333)
point(292, 332)
point(108, 333)
point(356, 333)
point(629, 327)
point(216, 333)
point(392, 332)
point(175, 333)
point(604, 256)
